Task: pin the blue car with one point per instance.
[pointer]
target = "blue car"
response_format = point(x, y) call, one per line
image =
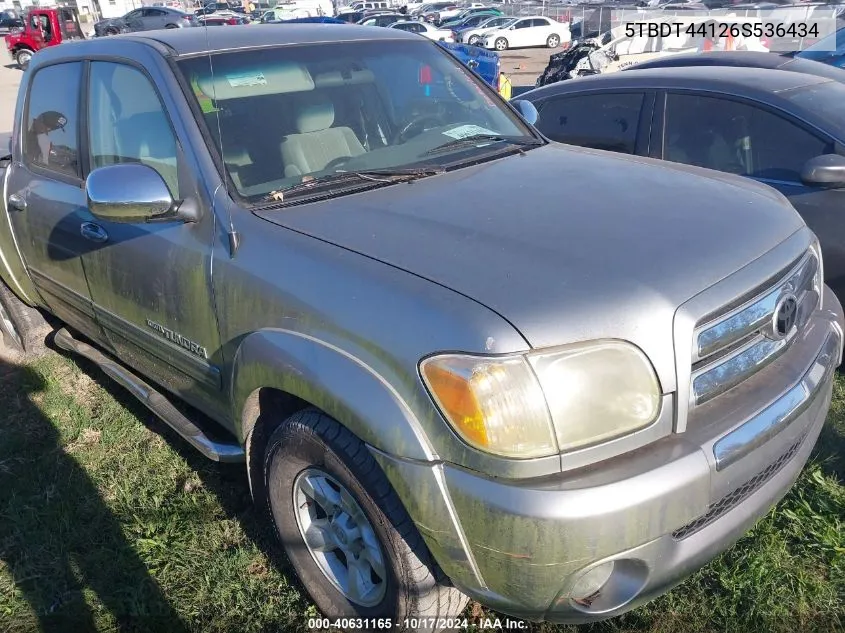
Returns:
point(485, 63)
point(830, 50)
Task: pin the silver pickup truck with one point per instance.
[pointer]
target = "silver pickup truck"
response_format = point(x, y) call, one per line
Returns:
point(457, 360)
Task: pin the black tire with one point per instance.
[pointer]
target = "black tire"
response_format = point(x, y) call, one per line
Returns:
point(414, 585)
point(553, 41)
point(22, 57)
point(171, 26)
point(29, 328)
point(501, 44)
point(474, 40)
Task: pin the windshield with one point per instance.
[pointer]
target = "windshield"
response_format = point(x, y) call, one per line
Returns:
point(502, 25)
point(295, 113)
point(831, 46)
point(824, 100)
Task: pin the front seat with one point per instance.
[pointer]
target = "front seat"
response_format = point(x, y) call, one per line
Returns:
point(317, 143)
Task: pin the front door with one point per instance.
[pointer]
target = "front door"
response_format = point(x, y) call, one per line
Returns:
point(746, 138)
point(151, 283)
point(47, 203)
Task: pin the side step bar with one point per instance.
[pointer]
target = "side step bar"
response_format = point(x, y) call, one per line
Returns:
point(155, 401)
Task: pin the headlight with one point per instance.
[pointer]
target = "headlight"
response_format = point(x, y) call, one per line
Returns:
point(545, 402)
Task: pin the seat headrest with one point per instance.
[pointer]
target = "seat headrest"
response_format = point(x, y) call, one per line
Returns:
point(235, 154)
point(315, 117)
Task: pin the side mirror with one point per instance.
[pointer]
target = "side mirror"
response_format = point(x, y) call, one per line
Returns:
point(827, 170)
point(132, 193)
point(527, 110)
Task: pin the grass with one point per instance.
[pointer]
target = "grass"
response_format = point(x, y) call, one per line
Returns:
point(110, 523)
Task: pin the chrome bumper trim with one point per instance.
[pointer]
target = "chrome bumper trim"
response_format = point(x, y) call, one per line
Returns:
point(781, 413)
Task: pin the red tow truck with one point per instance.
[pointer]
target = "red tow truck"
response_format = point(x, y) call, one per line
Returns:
point(42, 27)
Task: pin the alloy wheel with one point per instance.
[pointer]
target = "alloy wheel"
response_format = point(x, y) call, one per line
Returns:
point(339, 537)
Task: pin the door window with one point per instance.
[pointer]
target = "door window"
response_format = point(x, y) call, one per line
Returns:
point(52, 118)
point(522, 24)
point(128, 124)
point(608, 121)
point(736, 137)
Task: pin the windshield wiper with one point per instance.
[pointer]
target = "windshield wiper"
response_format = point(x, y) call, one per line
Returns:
point(321, 183)
point(475, 139)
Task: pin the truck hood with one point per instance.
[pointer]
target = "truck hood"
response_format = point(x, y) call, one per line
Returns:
point(567, 244)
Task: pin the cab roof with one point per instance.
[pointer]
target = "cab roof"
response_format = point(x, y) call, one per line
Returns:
point(195, 40)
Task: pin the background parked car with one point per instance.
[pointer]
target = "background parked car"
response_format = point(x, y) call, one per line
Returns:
point(785, 129)
point(747, 59)
point(535, 30)
point(469, 21)
point(217, 19)
point(830, 50)
point(352, 17)
point(381, 19)
point(427, 30)
point(145, 19)
point(211, 7)
point(9, 20)
point(475, 35)
point(317, 19)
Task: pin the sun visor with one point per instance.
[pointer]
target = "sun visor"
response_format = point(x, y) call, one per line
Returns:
point(256, 82)
point(343, 78)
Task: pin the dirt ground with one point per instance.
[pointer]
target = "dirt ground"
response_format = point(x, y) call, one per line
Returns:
point(524, 65)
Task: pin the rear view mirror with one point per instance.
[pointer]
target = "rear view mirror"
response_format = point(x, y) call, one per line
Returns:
point(132, 193)
point(527, 110)
point(827, 170)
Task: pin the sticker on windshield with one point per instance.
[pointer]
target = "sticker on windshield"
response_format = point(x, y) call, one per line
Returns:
point(463, 131)
point(244, 80)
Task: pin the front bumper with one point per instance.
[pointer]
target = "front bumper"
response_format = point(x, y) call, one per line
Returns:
point(658, 513)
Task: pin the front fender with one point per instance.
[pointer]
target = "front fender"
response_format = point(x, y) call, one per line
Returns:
point(343, 386)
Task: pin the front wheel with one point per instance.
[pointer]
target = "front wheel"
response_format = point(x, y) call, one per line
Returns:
point(501, 44)
point(23, 57)
point(344, 529)
point(553, 41)
point(474, 40)
point(23, 330)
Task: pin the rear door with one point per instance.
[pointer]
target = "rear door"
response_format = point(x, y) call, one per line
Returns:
point(47, 203)
point(155, 19)
point(751, 139)
point(519, 33)
point(540, 31)
point(617, 121)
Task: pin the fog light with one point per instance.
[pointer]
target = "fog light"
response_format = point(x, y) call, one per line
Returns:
point(586, 588)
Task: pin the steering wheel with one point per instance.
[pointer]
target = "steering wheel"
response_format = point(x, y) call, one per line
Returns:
point(417, 121)
point(336, 162)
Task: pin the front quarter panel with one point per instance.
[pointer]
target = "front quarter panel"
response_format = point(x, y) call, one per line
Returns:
point(346, 333)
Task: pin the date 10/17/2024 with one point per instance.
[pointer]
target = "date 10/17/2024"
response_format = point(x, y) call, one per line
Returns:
point(417, 624)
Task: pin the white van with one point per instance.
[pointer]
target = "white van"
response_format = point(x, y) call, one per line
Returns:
point(366, 5)
point(300, 7)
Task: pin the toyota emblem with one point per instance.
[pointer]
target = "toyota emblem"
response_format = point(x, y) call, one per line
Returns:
point(785, 316)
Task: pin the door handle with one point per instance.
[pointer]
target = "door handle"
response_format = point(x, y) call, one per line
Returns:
point(93, 232)
point(17, 202)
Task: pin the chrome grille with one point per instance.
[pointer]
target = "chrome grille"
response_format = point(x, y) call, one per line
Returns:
point(734, 345)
